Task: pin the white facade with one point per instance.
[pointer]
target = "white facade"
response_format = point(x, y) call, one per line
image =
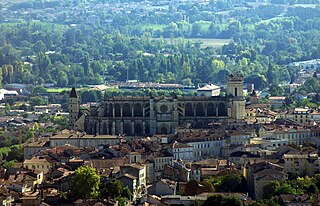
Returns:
point(202, 148)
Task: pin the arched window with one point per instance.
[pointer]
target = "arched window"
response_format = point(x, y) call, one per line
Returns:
point(138, 129)
point(110, 112)
point(105, 128)
point(127, 110)
point(126, 129)
point(164, 130)
point(211, 110)
point(138, 110)
point(117, 110)
point(189, 110)
point(200, 110)
point(110, 127)
point(147, 128)
point(222, 110)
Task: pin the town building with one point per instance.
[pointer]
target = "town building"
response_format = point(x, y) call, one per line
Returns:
point(209, 90)
point(260, 174)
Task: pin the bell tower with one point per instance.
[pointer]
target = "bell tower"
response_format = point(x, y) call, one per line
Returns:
point(235, 85)
point(74, 107)
point(235, 96)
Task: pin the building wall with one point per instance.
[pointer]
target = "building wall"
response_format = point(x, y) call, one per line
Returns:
point(301, 164)
point(164, 189)
point(160, 162)
point(83, 142)
point(185, 154)
point(203, 148)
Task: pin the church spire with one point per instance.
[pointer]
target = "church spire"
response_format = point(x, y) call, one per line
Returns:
point(73, 93)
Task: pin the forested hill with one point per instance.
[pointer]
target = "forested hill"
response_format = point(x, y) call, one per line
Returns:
point(68, 42)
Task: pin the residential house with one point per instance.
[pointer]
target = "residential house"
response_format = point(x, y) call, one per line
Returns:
point(163, 187)
point(130, 181)
point(204, 144)
point(296, 200)
point(83, 140)
point(42, 163)
point(31, 199)
point(177, 172)
point(138, 171)
point(240, 158)
point(277, 101)
point(34, 148)
point(301, 163)
point(209, 90)
point(181, 151)
point(260, 174)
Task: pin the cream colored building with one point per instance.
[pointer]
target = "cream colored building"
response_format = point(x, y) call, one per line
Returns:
point(161, 161)
point(83, 140)
point(209, 90)
point(260, 174)
point(41, 163)
point(294, 134)
point(300, 115)
point(301, 164)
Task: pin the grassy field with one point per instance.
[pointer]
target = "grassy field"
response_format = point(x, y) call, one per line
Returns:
point(213, 43)
point(57, 90)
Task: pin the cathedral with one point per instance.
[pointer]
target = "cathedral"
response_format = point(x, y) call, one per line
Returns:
point(149, 115)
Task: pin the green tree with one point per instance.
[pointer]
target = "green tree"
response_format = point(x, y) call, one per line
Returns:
point(35, 101)
point(195, 187)
point(232, 201)
point(85, 183)
point(86, 66)
point(270, 188)
point(126, 193)
point(215, 200)
point(285, 188)
point(233, 183)
point(113, 189)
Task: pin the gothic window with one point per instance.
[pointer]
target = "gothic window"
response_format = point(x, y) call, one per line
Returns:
point(200, 110)
point(105, 128)
point(147, 128)
point(117, 109)
point(164, 130)
point(211, 110)
point(189, 110)
point(110, 127)
point(138, 110)
point(126, 129)
point(127, 110)
point(138, 129)
point(222, 110)
point(110, 110)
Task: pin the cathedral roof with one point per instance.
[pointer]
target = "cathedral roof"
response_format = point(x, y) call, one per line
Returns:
point(73, 93)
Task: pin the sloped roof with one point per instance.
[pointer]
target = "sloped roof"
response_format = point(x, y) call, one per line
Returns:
point(73, 93)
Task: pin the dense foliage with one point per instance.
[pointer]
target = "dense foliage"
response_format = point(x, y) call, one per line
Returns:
point(85, 183)
point(98, 45)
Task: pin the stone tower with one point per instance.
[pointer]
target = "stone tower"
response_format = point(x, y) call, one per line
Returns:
point(236, 98)
point(74, 107)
